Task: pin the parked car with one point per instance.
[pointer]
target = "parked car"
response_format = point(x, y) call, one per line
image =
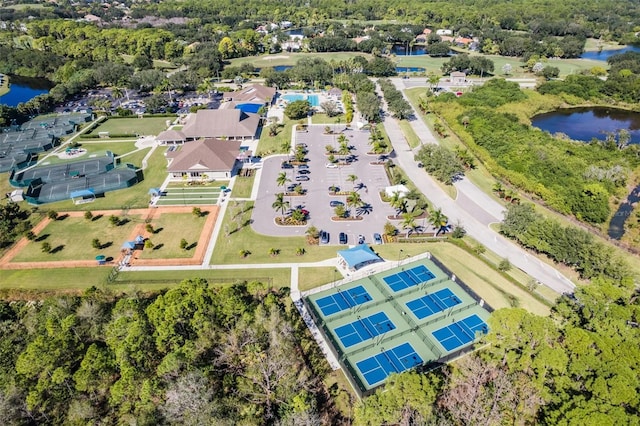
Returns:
point(336, 203)
point(304, 172)
point(292, 187)
point(302, 178)
point(360, 239)
point(286, 165)
point(303, 167)
point(331, 166)
point(324, 237)
point(334, 188)
point(377, 238)
point(343, 238)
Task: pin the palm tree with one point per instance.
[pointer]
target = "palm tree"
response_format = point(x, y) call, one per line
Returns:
point(398, 202)
point(282, 179)
point(116, 92)
point(280, 204)
point(352, 179)
point(206, 87)
point(433, 80)
point(354, 200)
point(409, 223)
point(438, 220)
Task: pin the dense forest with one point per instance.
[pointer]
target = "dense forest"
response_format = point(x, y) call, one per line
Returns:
point(199, 354)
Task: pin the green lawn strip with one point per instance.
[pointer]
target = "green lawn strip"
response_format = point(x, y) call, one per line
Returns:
point(279, 277)
point(325, 119)
point(53, 279)
point(186, 202)
point(74, 235)
point(216, 184)
point(95, 150)
point(313, 277)
point(242, 186)
point(169, 230)
point(136, 126)
point(409, 133)
point(228, 248)
point(4, 87)
point(272, 144)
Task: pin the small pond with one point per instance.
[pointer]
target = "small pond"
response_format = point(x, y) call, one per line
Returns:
point(603, 55)
point(584, 124)
point(401, 50)
point(22, 89)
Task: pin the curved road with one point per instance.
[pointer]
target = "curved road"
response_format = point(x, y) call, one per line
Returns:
point(474, 209)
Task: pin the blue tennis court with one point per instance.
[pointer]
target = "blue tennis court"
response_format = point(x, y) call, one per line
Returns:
point(460, 333)
point(433, 303)
point(409, 278)
point(376, 368)
point(364, 329)
point(342, 300)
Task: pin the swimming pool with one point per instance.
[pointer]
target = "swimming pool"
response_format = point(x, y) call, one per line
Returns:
point(314, 100)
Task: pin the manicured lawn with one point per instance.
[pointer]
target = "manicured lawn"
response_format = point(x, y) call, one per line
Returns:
point(54, 279)
point(169, 230)
point(70, 239)
point(137, 126)
point(273, 144)
point(280, 277)
point(95, 149)
point(286, 58)
point(325, 119)
point(309, 278)
point(409, 133)
point(228, 248)
point(242, 186)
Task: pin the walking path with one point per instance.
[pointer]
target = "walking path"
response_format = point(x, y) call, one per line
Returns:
point(472, 208)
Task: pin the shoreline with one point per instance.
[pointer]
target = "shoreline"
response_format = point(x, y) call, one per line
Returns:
point(4, 87)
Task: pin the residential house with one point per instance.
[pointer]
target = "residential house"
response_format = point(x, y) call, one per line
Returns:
point(444, 32)
point(205, 159)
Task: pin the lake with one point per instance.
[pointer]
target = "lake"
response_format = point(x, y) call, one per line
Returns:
point(401, 50)
point(603, 55)
point(22, 89)
point(584, 124)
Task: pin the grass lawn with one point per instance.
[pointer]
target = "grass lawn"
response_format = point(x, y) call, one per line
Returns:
point(134, 126)
point(71, 237)
point(409, 133)
point(286, 58)
point(309, 278)
point(95, 148)
point(272, 144)
point(228, 248)
point(594, 44)
point(325, 119)
point(169, 230)
point(242, 186)
point(4, 87)
point(53, 279)
point(280, 277)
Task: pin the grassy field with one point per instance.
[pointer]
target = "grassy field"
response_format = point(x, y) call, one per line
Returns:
point(95, 148)
point(137, 126)
point(169, 229)
point(272, 144)
point(409, 133)
point(242, 237)
point(286, 58)
point(320, 118)
point(4, 87)
point(70, 239)
point(280, 277)
point(242, 186)
point(53, 279)
point(313, 277)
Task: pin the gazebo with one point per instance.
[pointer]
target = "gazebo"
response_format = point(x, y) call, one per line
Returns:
point(357, 257)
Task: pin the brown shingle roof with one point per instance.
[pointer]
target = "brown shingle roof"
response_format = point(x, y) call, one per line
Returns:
point(213, 155)
point(171, 136)
point(256, 93)
point(221, 123)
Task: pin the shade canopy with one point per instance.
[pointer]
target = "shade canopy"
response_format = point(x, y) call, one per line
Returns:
point(359, 256)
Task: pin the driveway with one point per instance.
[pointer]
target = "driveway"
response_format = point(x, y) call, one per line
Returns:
point(371, 181)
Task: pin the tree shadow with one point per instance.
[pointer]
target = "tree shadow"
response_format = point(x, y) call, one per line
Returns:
point(62, 217)
point(97, 217)
point(42, 237)
point(157, 231)
point(57, 249)
point(106, 245)
point(364, 209)
point(158, 247)
point(191, 246)
point(124, 221)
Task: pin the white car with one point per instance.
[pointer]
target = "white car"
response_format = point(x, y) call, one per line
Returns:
point(331, 166)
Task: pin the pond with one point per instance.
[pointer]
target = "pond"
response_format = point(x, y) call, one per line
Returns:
point(22, 89)
point(585, 124)
point(603, 55)
point(401, 50)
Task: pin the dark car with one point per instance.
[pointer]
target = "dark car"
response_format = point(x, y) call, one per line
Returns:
point(343, 238)
point(336, 203)
point(302, 178)
point(334, 188)
point(377, 238)
point(324, 237)
point(292, 187)
point(304, 172)
point(360, 239)
point(286, 165)
point(303, 167)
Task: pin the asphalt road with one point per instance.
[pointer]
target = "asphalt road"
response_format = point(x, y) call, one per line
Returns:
point(474, 209)
point(371, 180)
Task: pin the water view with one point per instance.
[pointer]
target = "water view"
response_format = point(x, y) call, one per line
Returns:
point(22, 89)
point(401, 50)
point(603, 55)
point(585, 124)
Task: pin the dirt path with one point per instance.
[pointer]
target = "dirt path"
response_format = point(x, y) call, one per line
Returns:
point(150, 214)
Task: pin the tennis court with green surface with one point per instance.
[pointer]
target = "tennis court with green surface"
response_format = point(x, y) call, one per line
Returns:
point(406, 317)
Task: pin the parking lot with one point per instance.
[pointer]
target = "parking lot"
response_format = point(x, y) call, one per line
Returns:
point(316, 199)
